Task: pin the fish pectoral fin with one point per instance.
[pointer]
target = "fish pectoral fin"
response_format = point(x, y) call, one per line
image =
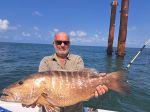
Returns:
point(30, 102)
point(46, 101)
point(50, 100)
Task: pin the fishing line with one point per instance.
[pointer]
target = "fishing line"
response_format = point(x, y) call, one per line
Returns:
point(141, 49)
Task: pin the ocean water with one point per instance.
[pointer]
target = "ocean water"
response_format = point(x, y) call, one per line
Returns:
point(20, 60)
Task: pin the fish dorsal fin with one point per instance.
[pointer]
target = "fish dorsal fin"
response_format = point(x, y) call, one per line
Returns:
point(47, 102)
point(84, 69)
point(90, 70)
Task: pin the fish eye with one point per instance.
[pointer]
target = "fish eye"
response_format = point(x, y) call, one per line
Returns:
point(20, 82)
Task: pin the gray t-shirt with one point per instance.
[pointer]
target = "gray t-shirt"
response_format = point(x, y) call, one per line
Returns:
point(73, 62)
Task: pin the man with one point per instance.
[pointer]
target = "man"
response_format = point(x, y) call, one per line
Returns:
point(63, 60)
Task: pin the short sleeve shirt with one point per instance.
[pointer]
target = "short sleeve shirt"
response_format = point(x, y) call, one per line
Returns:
point(73, 62)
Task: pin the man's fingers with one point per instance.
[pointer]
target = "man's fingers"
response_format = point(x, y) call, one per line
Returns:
point(96, 94)
point(27, 106)
point(23, 105)
point(103, 74)
point(39, 105)
point(33, 105)
point(105, 88)
point(100, 90)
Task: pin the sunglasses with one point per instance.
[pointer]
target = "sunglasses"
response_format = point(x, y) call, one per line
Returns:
point(59, 42)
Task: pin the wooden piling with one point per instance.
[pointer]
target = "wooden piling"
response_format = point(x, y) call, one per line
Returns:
point(112, 27)
point(123, 28)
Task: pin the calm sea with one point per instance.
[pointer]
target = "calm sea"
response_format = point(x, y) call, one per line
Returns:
point(19, 60)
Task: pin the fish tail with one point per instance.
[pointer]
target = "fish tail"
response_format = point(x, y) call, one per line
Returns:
point(117, 81)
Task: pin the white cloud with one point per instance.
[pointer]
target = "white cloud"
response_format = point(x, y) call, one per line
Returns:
point(132, 28)
point(78, 37)
point(81, 33)
point(36, 28)
point(37, 34)
point(99, 34)
point(26, 34)
point(37, 13)
point(89, 39)
point(56, 30)
point(53, 32)
point(13, 28)
point(4, 24)
point(78, 33)
point(72, 33)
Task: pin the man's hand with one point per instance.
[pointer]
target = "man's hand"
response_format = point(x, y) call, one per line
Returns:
point(100, 90)
point(32, 105)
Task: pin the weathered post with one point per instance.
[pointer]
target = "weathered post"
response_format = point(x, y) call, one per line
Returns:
point(123, 28)
point(112, 27)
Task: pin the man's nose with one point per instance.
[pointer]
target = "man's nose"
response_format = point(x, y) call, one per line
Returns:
point(62, 44)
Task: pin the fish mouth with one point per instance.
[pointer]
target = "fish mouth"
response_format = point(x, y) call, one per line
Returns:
point(7, 96)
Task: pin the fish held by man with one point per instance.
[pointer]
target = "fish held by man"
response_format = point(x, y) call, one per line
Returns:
point(63, 88)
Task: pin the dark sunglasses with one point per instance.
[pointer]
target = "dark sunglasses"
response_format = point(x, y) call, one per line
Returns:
point(59, 42)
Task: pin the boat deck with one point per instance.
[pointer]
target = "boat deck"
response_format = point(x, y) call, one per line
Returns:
point(17, 107)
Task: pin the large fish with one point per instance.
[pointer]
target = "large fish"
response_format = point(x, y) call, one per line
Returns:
point(62, 88)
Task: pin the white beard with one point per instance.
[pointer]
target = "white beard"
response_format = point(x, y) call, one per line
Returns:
point(62, 53)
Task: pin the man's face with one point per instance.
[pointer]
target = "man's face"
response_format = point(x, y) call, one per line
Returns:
point(62, 44)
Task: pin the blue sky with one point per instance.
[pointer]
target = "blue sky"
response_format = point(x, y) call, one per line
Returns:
point(86, 21)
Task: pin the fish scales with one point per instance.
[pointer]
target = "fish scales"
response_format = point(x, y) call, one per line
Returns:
point(78, 81)
point(63, 88)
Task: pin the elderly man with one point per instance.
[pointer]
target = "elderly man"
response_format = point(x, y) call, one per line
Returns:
point(63, 60)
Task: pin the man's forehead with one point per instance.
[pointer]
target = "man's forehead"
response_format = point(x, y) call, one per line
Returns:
point(61, 36)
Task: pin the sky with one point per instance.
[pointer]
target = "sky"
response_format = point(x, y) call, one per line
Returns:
point(86, 21)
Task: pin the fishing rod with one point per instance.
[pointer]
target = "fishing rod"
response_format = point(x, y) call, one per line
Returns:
point(141, 49)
